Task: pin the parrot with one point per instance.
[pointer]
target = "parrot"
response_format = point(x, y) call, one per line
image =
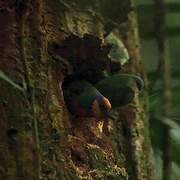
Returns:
point(120, 88)
point(84, 100)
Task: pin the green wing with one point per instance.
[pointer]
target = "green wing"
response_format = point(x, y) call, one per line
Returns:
point(118, 88)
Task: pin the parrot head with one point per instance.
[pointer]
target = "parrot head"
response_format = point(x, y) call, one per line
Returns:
point(139, 82)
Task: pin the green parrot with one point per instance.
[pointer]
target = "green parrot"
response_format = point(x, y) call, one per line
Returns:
point(84, 100)
point(120, 88)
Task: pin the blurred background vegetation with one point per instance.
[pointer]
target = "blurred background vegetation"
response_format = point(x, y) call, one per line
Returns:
point(159, 28)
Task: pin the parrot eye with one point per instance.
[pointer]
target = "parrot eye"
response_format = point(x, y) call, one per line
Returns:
point(139, 82)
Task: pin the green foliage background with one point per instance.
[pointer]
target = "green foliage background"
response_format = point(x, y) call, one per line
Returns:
point(149, 51)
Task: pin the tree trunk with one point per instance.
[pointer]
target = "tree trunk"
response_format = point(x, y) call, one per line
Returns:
point(39, 138)
point(134, 118)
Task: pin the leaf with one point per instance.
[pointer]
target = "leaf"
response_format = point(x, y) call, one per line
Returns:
point(4, 77)
point(175, 143)
point(175, 171)
point(118, 51)
point(170, 123)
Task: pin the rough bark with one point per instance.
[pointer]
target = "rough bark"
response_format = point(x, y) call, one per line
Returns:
point(134, 118)
point(39, 138)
